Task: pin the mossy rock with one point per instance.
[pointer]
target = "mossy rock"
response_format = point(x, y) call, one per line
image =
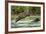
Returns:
point(36, 20)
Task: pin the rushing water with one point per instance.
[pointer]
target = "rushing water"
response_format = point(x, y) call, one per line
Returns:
point(25, 24)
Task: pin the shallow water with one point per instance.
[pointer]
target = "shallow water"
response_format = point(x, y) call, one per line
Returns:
point(26, 22)
point(23, 24)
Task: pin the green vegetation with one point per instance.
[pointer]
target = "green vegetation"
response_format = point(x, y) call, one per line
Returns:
point(24, 11)
point(20, 9)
